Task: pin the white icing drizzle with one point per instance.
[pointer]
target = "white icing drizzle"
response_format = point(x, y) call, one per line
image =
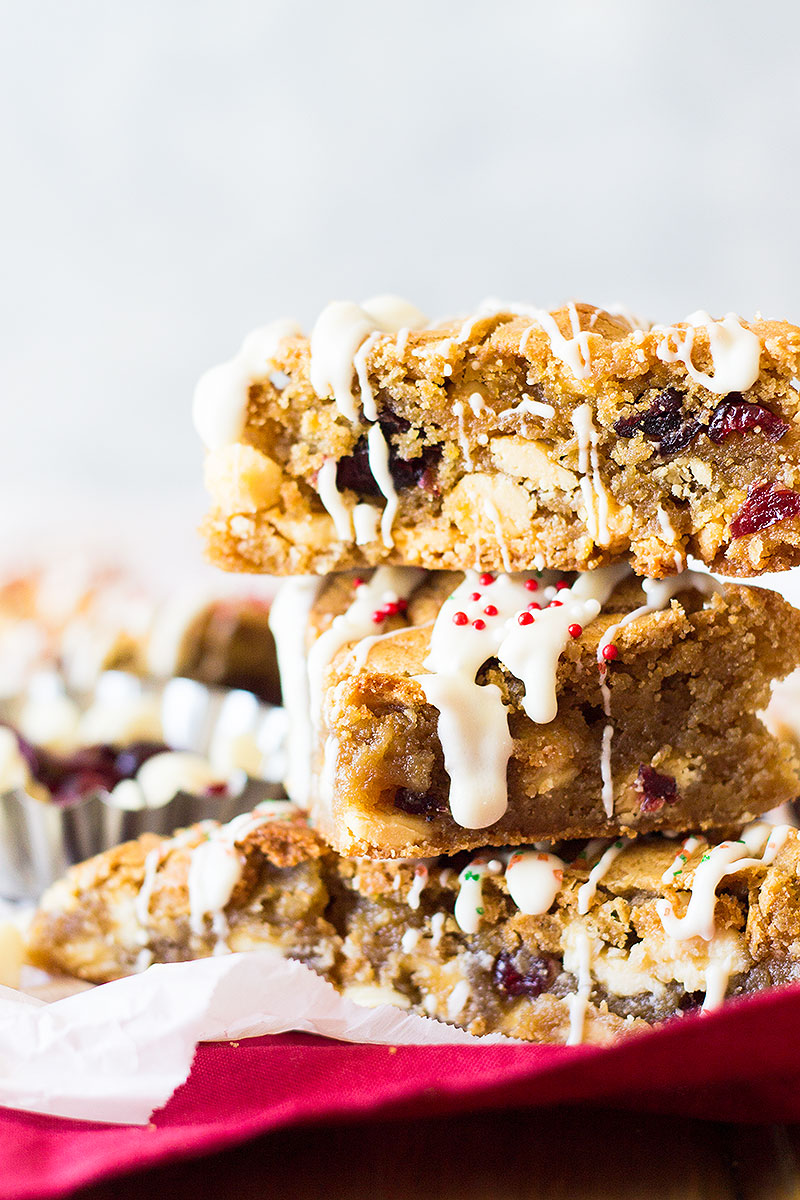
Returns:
point(494, 517)
point(573, 352)
point(386, 584)
point(735, 352)
point(220, 398)
point(588, 891)
point(340, 332)
point(606, 771)
point(331, 498)
point(215, 866)
point(681, 858)
point(469, 901)
point(409, 940)
point(153, 861)
point(473, 725)
point(579, 1001)
point(727, 858)
point(366, 520)
point(458, 409)
point(658, 593)
point(457, 1000)
point(595, 496)
point(668, 529)
point(288, 621)
point(718, 972)
point(417, 886)
point(529, 407)
point(362, 374)
point(437, 928)
point(534, 879)
point(378, 455)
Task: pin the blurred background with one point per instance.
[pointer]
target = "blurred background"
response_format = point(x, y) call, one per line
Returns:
point(177, 172)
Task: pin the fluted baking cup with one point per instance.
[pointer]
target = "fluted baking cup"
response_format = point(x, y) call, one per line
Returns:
point(241, 737)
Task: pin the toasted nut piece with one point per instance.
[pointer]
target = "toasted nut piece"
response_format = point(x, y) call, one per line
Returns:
point(527, 460)
point(242, 479)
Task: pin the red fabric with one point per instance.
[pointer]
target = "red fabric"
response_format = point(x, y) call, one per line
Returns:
point(741, 1064)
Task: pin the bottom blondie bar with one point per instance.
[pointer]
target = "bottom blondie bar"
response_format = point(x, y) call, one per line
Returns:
point(587, 944)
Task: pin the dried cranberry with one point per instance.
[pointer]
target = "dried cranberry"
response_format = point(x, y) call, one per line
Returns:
point(354, 471)
point(735, 415)
point(656, 790)
point(417, 804)
point(130, 758)
point(77, 784)
point(663, 422)
point(534, 978)
point(765, 505)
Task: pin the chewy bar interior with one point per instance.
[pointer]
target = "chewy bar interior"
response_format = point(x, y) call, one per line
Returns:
point(445, 711)
point(513, 440)
point(587, 944)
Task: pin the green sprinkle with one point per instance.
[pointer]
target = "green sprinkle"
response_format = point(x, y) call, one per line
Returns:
point(480, 911)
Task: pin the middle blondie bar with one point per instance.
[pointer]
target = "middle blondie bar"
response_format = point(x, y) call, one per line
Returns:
point(441, 711)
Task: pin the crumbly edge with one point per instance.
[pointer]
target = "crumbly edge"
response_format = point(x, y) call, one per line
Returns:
point(528, 468)
point(350, 920)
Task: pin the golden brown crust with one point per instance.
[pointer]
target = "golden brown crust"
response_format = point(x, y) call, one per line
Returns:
point(520, 465)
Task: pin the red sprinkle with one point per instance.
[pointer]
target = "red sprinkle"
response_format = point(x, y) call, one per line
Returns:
point(479, 624)
point(487, 579)
point(402, 605)
point(525, 618)
point(575, 630)
point(490, 610)
point(460, 618)
point(555, 604)
point(475, 596)
point(562, 583)
point(534, 607)
point(532, 585)
point(379, 616)
point(610, 652)
point(359, 582)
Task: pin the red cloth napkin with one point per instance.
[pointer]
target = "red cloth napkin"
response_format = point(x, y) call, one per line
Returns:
point(741, 1064)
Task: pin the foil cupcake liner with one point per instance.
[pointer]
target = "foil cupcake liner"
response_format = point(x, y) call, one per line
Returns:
point(40, 839)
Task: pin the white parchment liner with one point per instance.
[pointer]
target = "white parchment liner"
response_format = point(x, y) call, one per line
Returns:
point(116, 1052)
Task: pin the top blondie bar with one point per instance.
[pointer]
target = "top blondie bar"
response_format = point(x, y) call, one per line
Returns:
point(514, 440)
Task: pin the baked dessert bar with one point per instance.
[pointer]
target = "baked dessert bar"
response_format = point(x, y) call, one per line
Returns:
point(84, 620)
point(590, 943)
point(513, 440)
point(444, 711)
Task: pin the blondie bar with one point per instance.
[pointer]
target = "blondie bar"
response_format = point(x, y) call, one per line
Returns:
point(444, 711)
point(562, 945)
point(513, 440)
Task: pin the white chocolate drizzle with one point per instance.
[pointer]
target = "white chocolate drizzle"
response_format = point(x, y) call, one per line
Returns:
point(579, 1000)
point(727, 858)
point(595, 496)
point(288, 621)
point(458, 409)
point(573, 352)
point(735, 352)
point(332, 500)
point(357, 622)
point(220, 398)
point(341, 340)
point(668, 529)
point(366, 521)
point(588, 891)
point(215, 867)
point(494, 517)
point(437, 928)
point(473, 724)
point(534, 879)
point(469, 909)
point(417, 886)
point(681, 858)
point(378, 455)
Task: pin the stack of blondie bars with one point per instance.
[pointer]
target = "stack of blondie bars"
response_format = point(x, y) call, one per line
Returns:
point(526, 757)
